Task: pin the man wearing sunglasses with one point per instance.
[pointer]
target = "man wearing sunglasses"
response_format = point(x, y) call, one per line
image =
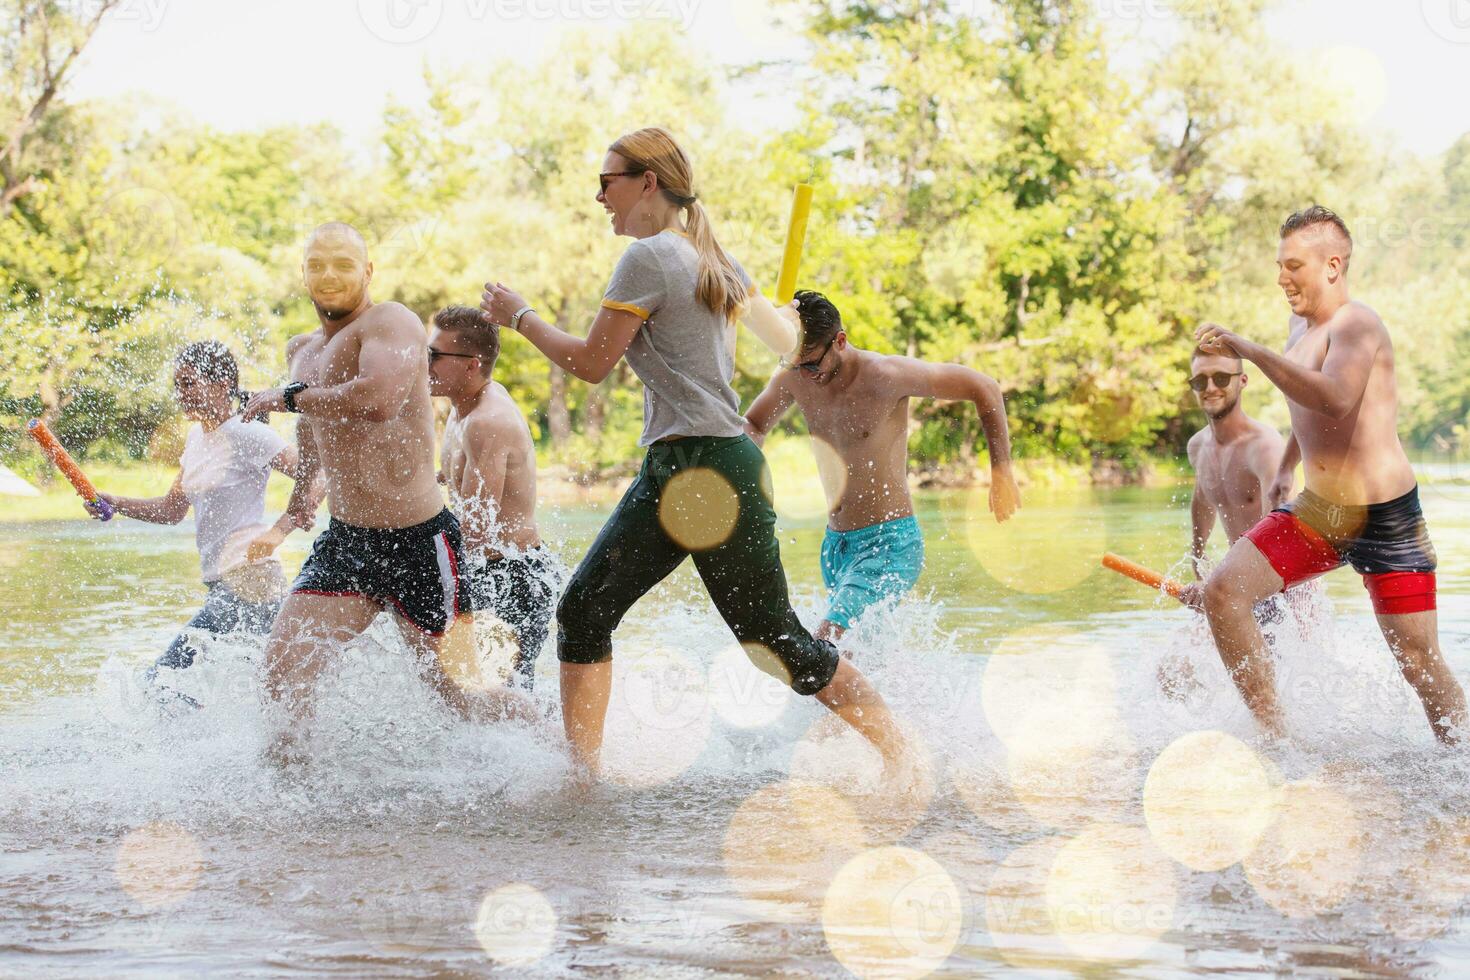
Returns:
point(1236, 460)
point(488, 462)
point(360, 385)
point(857, 403)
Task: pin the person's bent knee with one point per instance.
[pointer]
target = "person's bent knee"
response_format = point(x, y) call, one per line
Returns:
point(1221, 594)
point(806, 666)
point(578, 640)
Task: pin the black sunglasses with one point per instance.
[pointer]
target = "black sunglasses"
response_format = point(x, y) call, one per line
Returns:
point(606, 179)
point(1221, 378)
point(434, 355)
point(813, 367)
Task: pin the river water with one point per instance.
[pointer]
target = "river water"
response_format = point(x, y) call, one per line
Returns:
point(1095, 800)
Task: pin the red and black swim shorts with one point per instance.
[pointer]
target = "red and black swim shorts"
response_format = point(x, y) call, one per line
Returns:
point(1388, 544)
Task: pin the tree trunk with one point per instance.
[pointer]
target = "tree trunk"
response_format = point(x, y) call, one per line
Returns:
point(558, 415)
point(597, 410)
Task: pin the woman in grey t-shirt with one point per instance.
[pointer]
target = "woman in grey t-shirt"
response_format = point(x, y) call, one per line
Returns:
point(704, 489)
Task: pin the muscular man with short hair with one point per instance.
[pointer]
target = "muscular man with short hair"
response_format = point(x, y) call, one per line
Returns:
point(360, 383)
point(857, 402)
point(1361, 503)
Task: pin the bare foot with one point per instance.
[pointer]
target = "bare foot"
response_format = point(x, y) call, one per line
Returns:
point(285, 752)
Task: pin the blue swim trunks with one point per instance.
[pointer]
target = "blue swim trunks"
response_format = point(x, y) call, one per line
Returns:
point(873, 564)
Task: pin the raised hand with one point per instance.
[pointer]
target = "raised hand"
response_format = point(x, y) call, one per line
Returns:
point(263, 403)
point(1005, 496)
point(500, 302)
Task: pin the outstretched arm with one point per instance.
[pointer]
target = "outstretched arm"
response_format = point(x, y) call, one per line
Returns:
point(388, 362)
point(1333, 391)
point(777, 329)
point(768, 408)
point(592, 358)
point(1202, 523)
point(311, 484)
point(171, 508)
point(1201, 511)
point(954, 382)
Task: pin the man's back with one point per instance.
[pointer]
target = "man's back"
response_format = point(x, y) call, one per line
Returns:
point(496, 431)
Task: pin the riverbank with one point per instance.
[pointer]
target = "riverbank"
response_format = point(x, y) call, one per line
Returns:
point(791, 462)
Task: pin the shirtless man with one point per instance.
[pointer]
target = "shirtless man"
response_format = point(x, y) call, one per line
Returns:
point(1361, 502)
point(489, 464)
point(1236, 460)
point(857, 402)
point(360, 383)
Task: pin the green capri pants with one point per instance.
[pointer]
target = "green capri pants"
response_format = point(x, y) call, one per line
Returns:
point(729, 527)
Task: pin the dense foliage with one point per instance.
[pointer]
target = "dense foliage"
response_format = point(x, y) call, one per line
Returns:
point(992, 188)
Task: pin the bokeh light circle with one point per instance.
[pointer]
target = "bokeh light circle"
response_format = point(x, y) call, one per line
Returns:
point(892, 912)
point(808, 477)
point(659, 720)
point(159, 864)
point(1049, 695)
point(1051, 544)
point(1309, 858)
point(1208, 799)
point(785, 843)
point(744, 695)
point(516, 925)
point(699, 509)
point(1111, 893)
point(1054, 688)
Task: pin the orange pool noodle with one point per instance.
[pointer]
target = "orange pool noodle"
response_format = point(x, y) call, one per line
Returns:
point(1138, 573)
point(67, 466)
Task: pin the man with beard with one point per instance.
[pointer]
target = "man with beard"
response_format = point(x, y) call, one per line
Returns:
point(360, 383)
point(1236, 460)
point(857, 403)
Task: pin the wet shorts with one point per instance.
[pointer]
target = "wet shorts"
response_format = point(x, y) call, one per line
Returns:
point(1388, 544)
point(416, 569)
point(871, 565)
point(521, 591)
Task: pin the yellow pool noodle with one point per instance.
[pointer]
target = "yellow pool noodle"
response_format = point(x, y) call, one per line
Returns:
point(801, 207)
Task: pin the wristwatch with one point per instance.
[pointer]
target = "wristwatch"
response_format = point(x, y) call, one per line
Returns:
point(515, 321)
point(289, 393)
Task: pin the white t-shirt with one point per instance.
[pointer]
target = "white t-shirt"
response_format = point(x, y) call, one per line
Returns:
point(225, 472)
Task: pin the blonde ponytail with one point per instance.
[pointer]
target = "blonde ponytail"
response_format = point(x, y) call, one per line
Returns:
point(720, 286)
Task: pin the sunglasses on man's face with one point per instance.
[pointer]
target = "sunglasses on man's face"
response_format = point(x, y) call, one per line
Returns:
point(434, 355)
point(813, 366)
point(1221, 379)
point(606, 179)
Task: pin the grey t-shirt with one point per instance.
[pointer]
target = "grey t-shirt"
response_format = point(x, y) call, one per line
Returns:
point(683, 353)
